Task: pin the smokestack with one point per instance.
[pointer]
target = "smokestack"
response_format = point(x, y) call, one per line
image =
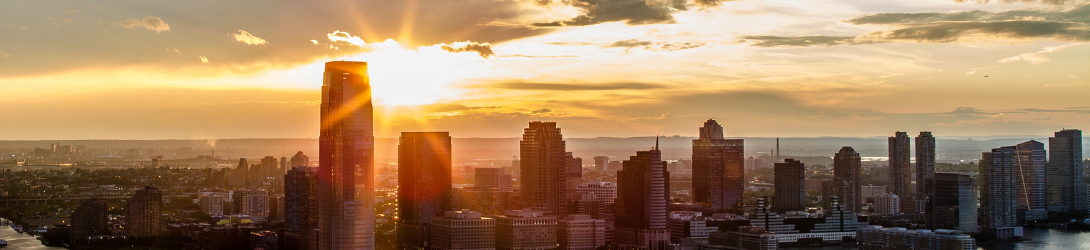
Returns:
point(777, 149)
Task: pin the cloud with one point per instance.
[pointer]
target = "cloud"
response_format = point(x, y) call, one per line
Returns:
point(1035, 57)
point(1053, 2)
point(801, 41)
point(484, 49)
point(629, 43)
point(247, 38)
point(5, 55)
point(633, 12)
point(204, 59)
point(576, 86)
point(541, 111)
point(149, 22)
point(70, 10)
point(1071, 24)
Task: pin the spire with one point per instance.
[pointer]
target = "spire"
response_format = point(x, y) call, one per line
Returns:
point(656, 142)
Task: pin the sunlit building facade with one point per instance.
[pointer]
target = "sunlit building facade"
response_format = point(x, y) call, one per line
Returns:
point(718, 168)
point(346, 148)
point(424, 185)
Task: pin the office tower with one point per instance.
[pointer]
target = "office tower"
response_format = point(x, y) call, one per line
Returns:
point(998, 208)
point(143, 213)
point(900, 170)
point(601, 163)
point(270, 168)
point(642, 205)
point(925, 166)
point(463, 230)
point(346, 148)
point(1029, 181)
point(718, 168)
point(492, 178)
point(253, 202)
point(299, 159)
point(525, 229)
point(614, 166)
point(887, 204)
point(790, 178)
point(574, 175)
point(580, 232)
point(240, 175)
point(424, 185)
point(596, 199)
point(90, 219)
point(1066, 189)
point(846, 170)
point(954, 205)
point(545, 167)
point(300, 206)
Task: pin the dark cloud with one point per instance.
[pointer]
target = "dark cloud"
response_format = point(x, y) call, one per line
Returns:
point(484, 49)
point(575, 86)
point(541, 111)
point(953, 31)
point(450, 107)
point(1079, 14)
point(632, 12)
point(801, 41)
point(1053, 2)
point(680, 46)
point(629, 43)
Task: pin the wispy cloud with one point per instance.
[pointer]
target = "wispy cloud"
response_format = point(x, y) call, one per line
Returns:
point(1038, 57)
point(247, 38)
point(148, 22)
point(484, 49)
point(204, 59)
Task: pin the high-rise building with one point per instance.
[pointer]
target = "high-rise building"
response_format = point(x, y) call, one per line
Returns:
point(526, 230)
point(642, 206)
point(211, 204)
point(954, 205)
point(300, 206)
point(601, 163)
point(253, 202)
point(143, 213)
point(925, 166)
point(492, 178)
point(240, 175)
point(271, 169)
point(1030, 181)
point(545, 169)
point(424, 185)
point(900, 170)
point(300, 159)
point(580, 232)
point(790, 178)
point(887, 204)
point(346, 148)
point(1066, 189)
point(463, 230)
point(846, 169)
point(829, 189)
point(998, 208)
point(718, 168)
point(255, 175)
point(90, 219)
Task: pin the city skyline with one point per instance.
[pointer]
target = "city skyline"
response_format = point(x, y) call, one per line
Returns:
point(77, 70)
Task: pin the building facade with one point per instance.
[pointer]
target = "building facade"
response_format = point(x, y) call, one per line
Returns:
point(642, 206)
point(954, 204)
point(998, 208)
point(462, 230)
point(790, 178)
point(1066, 189)
point(846, 173)
point(424, 185)
point(545, 169)
point(143, 213)
point(300, 206)
point(900, 170)
point(580, 232)
point(1029, 184)
point(718, 168)
point(525, 230)
point(90, 219)
point(346, 156)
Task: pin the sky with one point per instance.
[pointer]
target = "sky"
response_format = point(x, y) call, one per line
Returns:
point(484, 68)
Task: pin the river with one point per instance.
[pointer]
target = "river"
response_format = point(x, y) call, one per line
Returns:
point(21, 241)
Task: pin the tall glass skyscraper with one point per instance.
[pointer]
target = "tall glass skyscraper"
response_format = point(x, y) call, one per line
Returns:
point(346, 158)
point(900, 170)
point(424, 185)
point(718, 168)
point(545, 169)
point(1066, 189)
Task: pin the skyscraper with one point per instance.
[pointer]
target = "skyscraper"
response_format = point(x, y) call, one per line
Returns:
point(346, 158)
point(271, 170)
point(300, 159)
point(492, 178)
point(1066, 189)
point(925, 167)
point(718, 168)
point(239, 177)
point(90, 219)
point(601, 163)
point(846, 169)
point(642, 206)
point(790, 179)
point(954, 205)
point(300, 207)
point(1030, 181)
point(998, 208)
point(545, 166)
point(424, 185)
point(143, 213)
point(900, 170)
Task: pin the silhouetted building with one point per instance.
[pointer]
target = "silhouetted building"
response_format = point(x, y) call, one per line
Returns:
point(601, 163)
point(900, 170)
point(300, 159)
point(718, 168)
point(90, 219)
point(954, 205)
point(265, 240)
point(525, 229)
point(424, 185)
point(271, 171)
point(545, 169)
point(240, 175)
point(463, 230)
point(1030, 181)
point(346, 148)
point(143, 213)
point(925, 167)
point(1066, 189)
point(492, 178)
point(846, 169)
point(790, 178)
point(300, 206)
point(829, 189)
point(642, 206)
point(998, 208)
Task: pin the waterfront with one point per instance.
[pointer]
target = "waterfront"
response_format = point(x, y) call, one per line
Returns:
point(21, 241)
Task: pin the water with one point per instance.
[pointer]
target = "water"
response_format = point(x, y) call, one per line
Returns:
point(1037, 238)
point(21, 241)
